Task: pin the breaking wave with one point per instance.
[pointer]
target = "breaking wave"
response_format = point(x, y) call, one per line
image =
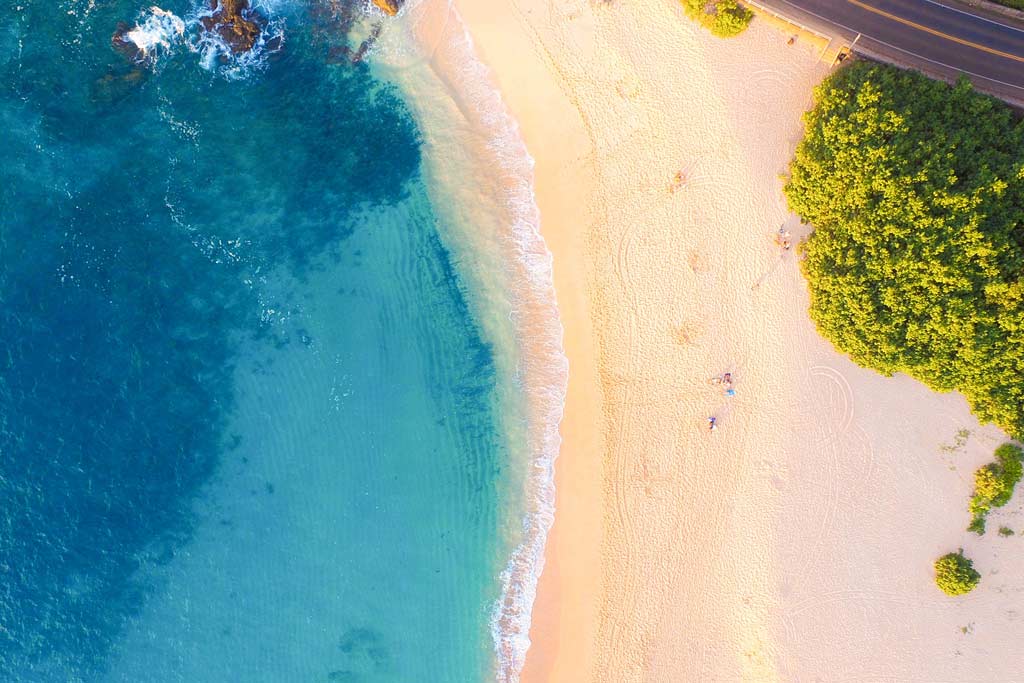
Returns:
point(159, 33)
point(543, 367)
point(156, 33)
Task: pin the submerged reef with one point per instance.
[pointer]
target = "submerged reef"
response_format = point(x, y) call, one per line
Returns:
point(346, 20)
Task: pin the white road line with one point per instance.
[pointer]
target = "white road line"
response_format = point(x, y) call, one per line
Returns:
point(976, 16)
point(949, 66)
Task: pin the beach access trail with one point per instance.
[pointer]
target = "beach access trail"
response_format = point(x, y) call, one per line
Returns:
point(796, 541)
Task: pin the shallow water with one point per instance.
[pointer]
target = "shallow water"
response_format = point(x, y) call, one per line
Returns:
point(248, 424)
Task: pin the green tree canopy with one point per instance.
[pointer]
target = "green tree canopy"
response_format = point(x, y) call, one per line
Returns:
point(916, 193)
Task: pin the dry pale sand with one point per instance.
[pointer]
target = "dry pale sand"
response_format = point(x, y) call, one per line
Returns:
point(795, 542)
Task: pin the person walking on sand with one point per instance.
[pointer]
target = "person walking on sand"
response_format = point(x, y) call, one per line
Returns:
point(712, 423)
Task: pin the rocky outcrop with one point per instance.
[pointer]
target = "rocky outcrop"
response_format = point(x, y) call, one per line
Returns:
point(390, 7)
point(125, 45)
point(236, 23)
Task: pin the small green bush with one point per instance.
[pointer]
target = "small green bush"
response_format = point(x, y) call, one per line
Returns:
point(724, 18)
point(1005, 531)
point(955, 574)
point(994, 484)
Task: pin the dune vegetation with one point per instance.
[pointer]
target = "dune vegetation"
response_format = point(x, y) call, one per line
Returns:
point(915, 190)
point(724, 18)
point(994, 484)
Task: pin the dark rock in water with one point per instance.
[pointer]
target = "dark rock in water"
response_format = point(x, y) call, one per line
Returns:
point(125, 45)
point(389, 6)
point(116, 84)
point(236, 23)
point(274, 45)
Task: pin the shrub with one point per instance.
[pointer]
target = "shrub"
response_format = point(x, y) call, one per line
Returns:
point(724, 18)
point(1011, 469)
point(1005, 531)
point(916, 193)
point(994, 484)
point(955, 574)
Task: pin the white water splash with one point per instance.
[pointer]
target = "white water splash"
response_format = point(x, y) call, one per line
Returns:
point(157, 33)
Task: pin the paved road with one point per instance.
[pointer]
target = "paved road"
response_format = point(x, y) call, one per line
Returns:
point(927, 34)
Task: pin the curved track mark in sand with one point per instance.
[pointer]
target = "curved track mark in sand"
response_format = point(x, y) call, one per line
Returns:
point(842, 399)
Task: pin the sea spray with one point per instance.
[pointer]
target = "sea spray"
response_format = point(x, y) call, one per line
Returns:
point(156, 32)
point(159, 32)
point(542, 371)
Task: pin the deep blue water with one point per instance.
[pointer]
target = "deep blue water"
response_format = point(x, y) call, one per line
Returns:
point(246, 418)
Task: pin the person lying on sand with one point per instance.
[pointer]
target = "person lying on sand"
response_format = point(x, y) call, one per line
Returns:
point(677, 181)
point(783, 238)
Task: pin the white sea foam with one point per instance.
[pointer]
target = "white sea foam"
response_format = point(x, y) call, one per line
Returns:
point(216, 55)
point(542, 371)
point(157, 32)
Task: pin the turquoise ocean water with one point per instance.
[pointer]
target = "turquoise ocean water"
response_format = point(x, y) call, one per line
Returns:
point(251, 428)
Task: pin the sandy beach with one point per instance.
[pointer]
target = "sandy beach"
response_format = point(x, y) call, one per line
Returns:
point(796, 541)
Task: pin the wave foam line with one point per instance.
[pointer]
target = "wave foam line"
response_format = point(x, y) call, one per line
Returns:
point(544, 368)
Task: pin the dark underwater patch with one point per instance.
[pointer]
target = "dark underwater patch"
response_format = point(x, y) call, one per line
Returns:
point(133, 236)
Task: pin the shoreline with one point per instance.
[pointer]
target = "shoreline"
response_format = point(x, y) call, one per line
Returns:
point(807, 524)
point(494, 151)
point(560, 617)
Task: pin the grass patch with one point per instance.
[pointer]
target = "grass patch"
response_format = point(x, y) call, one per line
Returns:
point(955, 574)
point(724, 18)
point(959, 441)
point(1015, 4)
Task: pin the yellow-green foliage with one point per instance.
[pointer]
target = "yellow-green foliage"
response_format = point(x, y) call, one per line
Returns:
point(724, 18)
point(955, 574)
point(994, 484)
point(916, 193)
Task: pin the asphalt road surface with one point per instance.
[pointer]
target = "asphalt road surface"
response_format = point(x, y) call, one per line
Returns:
point(937, 38)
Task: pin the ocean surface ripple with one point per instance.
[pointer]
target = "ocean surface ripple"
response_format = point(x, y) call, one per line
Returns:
point(247, 417)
